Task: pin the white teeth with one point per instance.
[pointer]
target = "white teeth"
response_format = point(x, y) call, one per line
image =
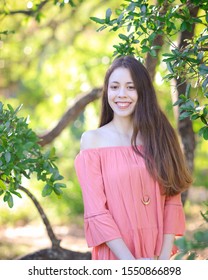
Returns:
point(125, 104)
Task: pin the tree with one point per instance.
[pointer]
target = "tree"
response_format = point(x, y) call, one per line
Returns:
point(22, 156)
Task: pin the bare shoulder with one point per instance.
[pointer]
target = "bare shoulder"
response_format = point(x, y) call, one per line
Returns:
point(95, 138)
point(90, 139)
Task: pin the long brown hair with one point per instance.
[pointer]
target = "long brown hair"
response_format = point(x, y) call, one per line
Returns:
point(161, 149)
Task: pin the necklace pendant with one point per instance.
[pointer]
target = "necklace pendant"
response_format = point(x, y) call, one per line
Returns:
point(146, 200)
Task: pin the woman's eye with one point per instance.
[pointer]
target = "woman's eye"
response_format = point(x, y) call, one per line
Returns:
point(113, 87)
point(131, 87)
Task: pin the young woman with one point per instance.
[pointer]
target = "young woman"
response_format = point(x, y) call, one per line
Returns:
point(131, 171)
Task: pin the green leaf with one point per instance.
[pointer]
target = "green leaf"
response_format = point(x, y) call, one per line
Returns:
point(179, 256)
point(188, 90)
point(145, 49)
point(182, 96)
point(203, 119)
point(7, 32)
point(201, 236)
point(152, 36)
point(203, 38)
point(6, 196)
point(39, 16)
point(178, 102)
point(187, 106)
point(123, 37)
point(47, 190)
point(18, 109)
point(153, 53)
point(183, 26)
point(192, 256)
point(143, 8)
point(7, 157)
point(131, 7)
point(119, 19)
point(205, 216)
point(205, 112)
point(10, 201)
point(205, 133)
point(181, 243)
point(10, 108)
point(28, 146)
point(2, 185)
point(16, 193)
point(101, 28)
point(108, 15)
point(1, 107)
point(56, 176)
point(203, 69)
point(201, 131)
point(170, 67)
point(195, 116)
point(72, 3)
point(59, 185)
point(98, 20)
point(184, 115)
point(205, 83)
point(57, 190)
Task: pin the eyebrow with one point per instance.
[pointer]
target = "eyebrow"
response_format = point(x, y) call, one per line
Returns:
point(118, 82)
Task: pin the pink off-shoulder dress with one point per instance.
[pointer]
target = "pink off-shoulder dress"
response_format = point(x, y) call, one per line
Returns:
point(114, 181)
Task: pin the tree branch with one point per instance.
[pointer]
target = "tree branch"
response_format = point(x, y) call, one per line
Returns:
point(71, 114)
point(55, 242)
point(30, 12)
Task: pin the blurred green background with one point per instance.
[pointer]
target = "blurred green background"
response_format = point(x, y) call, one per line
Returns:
point(45, 65)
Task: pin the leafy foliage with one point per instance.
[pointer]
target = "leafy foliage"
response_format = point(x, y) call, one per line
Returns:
point(141, 22)
point(21, 156)
point(190, 248)
point(191, 108)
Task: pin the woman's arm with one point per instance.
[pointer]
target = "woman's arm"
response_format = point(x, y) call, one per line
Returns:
point(120, 250)
point(168, 240)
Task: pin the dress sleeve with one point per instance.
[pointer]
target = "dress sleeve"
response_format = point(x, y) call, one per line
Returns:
point(100, 226)
point(174, 217)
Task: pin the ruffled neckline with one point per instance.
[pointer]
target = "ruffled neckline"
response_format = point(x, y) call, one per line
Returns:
point(109, 148)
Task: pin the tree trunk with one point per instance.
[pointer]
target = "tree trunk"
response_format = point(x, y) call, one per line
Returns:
point(151, 62)
point(56, 252)
point(55, 242)
point(185, 127)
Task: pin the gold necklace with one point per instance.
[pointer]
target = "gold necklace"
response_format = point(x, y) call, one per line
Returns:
point(145, 199)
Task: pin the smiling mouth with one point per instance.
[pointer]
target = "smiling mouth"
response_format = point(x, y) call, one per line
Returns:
point(123, 105)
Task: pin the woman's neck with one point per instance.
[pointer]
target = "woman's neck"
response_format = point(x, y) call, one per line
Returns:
point(123, 126)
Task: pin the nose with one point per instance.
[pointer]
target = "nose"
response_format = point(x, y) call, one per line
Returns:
point(122, 92)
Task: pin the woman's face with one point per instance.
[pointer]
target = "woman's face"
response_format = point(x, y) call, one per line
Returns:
point(122, 95)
